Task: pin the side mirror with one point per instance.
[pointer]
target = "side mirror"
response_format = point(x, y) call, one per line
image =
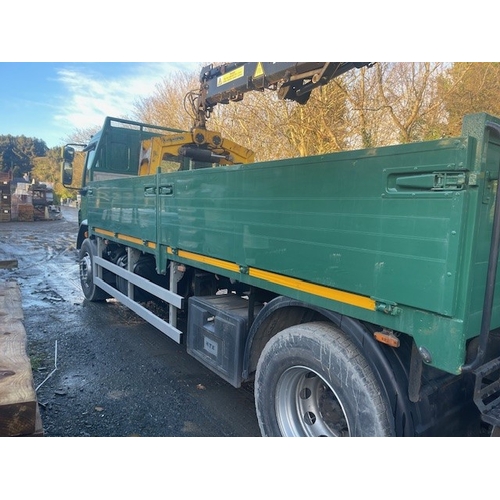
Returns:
point(67, 173)
point(68, 155)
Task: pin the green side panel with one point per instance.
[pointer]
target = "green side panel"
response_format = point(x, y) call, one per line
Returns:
point(347, 221)
point(124, 206)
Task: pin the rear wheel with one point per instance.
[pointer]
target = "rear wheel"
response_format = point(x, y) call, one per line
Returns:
point(86, 260)
point(311, 380)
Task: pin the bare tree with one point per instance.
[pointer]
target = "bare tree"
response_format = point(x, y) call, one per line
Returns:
point(365, 113)
point(82, 135)
point(386, 104)
point(271, 127)
point(319, 126)
point(275, 128)
point(167, 107)
point(408, 93)
point(470, 88)
point(394, 103)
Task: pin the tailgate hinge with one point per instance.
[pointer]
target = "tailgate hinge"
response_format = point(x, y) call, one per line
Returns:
point(448, 181)
point(436, 181)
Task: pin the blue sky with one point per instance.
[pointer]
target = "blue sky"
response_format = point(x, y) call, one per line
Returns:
point(49, 100)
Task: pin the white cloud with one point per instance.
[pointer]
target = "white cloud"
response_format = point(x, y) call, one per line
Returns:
point(91, 92)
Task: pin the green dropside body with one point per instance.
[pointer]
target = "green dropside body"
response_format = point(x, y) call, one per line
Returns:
point(408, 227)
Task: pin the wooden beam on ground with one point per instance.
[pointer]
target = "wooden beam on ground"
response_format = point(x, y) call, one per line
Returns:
point(18, 403)
point(8, 264)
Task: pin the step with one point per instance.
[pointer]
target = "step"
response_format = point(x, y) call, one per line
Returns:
point(487, 391)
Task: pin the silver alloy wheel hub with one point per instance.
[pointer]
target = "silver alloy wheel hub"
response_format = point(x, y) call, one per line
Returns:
point(86, 270)
point(306, 405)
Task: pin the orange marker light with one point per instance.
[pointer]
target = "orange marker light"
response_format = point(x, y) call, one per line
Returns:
point(387, 337)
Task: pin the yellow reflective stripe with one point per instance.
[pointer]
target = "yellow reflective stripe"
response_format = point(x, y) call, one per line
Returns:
point(285, 281)
point(104, 232)
point(222, 264)
point(124, 237)
point(313, 289)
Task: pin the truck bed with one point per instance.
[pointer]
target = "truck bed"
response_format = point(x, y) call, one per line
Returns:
point(398, 236)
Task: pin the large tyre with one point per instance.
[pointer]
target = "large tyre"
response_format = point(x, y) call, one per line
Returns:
point(86, 260)
point(311, 380)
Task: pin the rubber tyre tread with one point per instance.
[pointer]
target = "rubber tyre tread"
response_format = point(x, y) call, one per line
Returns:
point(92, 292)
point(329, 352)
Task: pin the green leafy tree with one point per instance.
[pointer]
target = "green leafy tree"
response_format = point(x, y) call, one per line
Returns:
point(17, 153)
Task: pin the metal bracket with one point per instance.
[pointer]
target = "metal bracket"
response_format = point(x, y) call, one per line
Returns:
point(387, 307)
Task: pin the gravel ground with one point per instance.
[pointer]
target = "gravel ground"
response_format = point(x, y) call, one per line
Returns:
point(99, 369)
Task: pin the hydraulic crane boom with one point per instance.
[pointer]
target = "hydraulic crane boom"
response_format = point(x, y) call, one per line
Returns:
point(229, 82)
point(292, 80)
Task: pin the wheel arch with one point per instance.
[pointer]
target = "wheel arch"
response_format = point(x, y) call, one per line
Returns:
point(82, 234)
point(388, 364)
point(278, 314)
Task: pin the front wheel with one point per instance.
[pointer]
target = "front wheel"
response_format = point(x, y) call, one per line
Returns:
point(86, 261)
point(312, 380)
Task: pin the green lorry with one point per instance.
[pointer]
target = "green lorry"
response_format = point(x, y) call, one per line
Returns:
point(356, 291)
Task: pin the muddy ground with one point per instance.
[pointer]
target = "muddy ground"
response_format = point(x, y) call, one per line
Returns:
point(99, 369)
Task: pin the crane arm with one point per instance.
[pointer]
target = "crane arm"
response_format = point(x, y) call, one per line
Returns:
point(292, 80)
